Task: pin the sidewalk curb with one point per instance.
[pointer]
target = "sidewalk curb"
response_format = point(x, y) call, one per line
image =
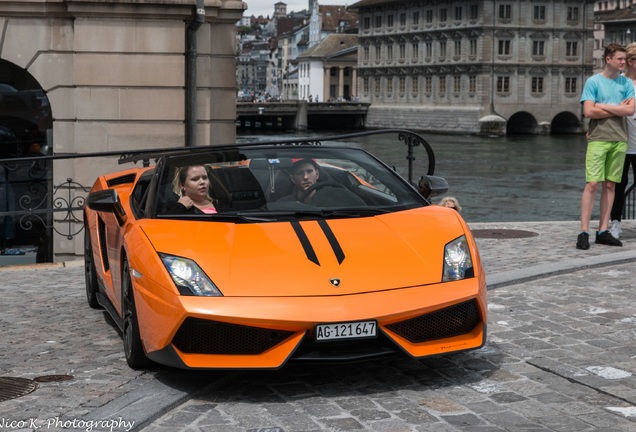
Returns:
point(158, 396)
point(514, 277)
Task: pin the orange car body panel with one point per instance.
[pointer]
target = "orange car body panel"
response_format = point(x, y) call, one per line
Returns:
point(268, 281)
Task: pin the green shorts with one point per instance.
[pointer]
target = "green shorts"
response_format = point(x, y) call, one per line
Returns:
point(604, 161)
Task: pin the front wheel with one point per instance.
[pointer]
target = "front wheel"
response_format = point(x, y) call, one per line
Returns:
point(133, 348)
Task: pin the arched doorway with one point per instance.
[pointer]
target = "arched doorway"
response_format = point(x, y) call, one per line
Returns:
point(521, 123)
point(566, 123)
point(25, 183)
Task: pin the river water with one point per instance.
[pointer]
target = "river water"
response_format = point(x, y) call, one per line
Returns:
point(496, 179)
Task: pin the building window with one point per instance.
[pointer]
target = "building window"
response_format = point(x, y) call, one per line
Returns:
point(416, 50)
point(366, 23)
point(538, 48)
point(503, 84)
point(389, 52)
point(571, 49)
point(472, 84)
point(458, 48)
point(442, 49)
point(377, 85)
point(429, 17)
point(505, 11)
point(458, 13)
point(570, 85)
point(365, 85)
point(402, 19)
point(378, 21)
point(428, 84)
point(573, 14)
point(473, 47)
point(389, 85)
point(474, 12)
point(402, 48)
point(389, 21)
point(378, 53)
point(416, 18)
point(457, 84)
point(504, 47)
point(443, 15)
point(365, 54)
point(539, 13)
point(415, 84)
point(402, 84)
point(537, 85)
point(429, 49)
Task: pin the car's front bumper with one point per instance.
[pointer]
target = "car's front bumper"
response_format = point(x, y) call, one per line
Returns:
point(266, 332)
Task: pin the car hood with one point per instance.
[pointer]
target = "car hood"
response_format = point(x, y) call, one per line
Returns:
point(314, 257)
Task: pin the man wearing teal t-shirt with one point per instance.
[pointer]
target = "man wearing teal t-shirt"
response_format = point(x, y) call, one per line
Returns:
point(607, 98)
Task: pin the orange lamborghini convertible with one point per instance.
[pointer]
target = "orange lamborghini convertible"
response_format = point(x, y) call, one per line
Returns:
point(255, 255)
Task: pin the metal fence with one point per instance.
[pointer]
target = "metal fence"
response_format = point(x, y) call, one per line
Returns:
point(33, 209)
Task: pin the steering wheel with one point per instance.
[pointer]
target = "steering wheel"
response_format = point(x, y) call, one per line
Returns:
point(317, 186)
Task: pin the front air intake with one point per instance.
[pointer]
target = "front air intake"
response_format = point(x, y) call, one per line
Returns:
point(198, 336)
point(444, 323)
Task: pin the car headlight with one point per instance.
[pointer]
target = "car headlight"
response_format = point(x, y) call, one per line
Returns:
point(458, 263)
point(188, 277)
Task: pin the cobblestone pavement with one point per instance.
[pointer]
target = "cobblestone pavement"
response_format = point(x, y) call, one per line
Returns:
point(561, 356)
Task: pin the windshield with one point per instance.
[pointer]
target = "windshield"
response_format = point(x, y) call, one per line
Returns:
point(274, 182)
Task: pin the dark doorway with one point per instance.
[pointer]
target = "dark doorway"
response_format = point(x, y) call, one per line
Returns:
point(521, 123)
point(566, 123)
point(25, 185)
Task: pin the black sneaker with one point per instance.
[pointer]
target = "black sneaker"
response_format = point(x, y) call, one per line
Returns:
point(605, 238)
point(583, 241)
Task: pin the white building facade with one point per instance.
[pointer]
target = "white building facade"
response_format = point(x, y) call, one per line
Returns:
point(448, 65)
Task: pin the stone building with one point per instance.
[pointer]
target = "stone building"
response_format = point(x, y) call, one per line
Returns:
point(116, 75)
point(614, 22)
point(475, 66)
point(327, 70)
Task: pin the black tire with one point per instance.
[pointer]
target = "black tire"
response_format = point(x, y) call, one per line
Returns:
point(133, 348)
point(90, 272)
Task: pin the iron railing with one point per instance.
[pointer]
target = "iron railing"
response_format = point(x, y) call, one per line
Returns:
point(33, 209)
point(31, 204)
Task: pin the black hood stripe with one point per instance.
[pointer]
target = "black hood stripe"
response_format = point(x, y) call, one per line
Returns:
point(308, 248)
point(333, 241)
point(304, 241)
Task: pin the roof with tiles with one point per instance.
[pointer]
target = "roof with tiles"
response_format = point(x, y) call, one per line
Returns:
point(331, 45)
point(332, 16)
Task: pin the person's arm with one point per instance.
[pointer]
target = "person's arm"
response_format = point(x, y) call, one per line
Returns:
point(626, 108)
point(597, 111)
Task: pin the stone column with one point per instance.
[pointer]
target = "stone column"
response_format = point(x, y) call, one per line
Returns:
point(340, 81)
point(327, 84)
point(354, 82)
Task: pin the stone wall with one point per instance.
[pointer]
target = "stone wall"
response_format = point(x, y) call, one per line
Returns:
point(114, 72)
point(463, 120)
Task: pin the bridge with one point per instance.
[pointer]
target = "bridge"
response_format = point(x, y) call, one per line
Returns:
point(301, 115)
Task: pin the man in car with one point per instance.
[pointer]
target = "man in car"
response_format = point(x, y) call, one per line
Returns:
point(305, 175)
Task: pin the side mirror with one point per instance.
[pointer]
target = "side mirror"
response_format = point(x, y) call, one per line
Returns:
point(107, 201)
point(430, 186)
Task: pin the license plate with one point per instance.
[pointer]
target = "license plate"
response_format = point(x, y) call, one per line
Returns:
point(348, 330)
